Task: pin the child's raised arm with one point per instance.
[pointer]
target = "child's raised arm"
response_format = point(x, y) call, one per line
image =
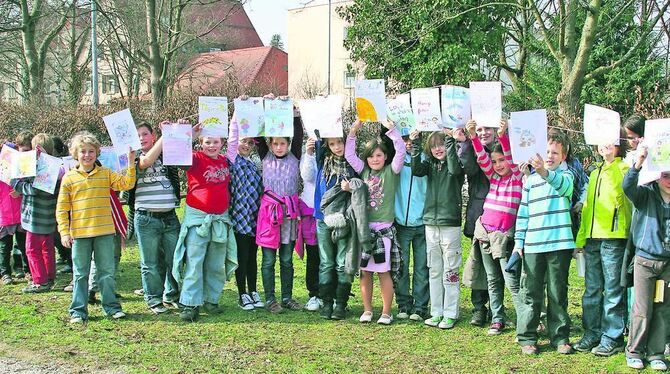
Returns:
point(483, 158)
point(308, 162)
point(398, 144)
point(507, 149)
point(420, 167)
point(151, 156)
point(350, 148)
point(453, 164)
point(298, 134)
point(233, 139)
point(119, 182)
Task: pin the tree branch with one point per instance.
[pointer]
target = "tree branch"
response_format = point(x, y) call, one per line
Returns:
point(545, 33)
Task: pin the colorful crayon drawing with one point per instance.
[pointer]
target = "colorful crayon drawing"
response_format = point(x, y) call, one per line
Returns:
point(24, 164)
point(250, 116)
point(528, 134)
point(48, 170)
point(177, 144)
point(370, 100)
point(399, 110)
point(455, 106)
point(657, 138)
point(6, 163)
point(486, 103)
point(278, 117)
point(601, 125)
point(109, 158)
point(121, 129)
point(426, 108)
point(213, 115)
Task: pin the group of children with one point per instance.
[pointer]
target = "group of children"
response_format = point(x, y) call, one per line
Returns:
point(364, 213)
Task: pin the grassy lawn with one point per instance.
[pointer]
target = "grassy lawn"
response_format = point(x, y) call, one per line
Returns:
point(37, 327)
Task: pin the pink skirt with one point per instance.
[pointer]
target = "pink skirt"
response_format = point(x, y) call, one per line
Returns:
point(385, 266)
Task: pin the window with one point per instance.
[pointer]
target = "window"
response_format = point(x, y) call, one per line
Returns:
point(345, 33)
point(12, 93)
point(349, 78)
point(89, 87)
point(108, 85)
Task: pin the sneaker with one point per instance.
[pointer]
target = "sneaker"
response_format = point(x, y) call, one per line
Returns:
point(36, 288)
point(402, 315)
point(91, 298)
point(258, 303)
point(313, 304)
point(667, 350)
point(529, 349)
point(634, 363)
point(291, 304)
point(565, 349)
point(158, 309)
point(479, 317)
point(327, 310)
point(585, 345)
point(170, 304)
point(211, 308)
point(68, 288)
point(366, 317)
point(119, 315)
point(76, 320)
point(447, 323)
point(496, 328)
point(607, 350)
point(7, 279)
point(385, 319)
point(414, 317)
point(139, 292)
point(658, 365)
point(189, 314)
point(433, 321)
point(246, 303)
point(274, 307)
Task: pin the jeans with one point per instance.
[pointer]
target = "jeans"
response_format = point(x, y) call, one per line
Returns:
point(417, 302)
point(312, 270)
point(93, 279)
point(6, 244)
point(285, 272)
point(247, 267)
point(332, 256)
point(555, 265)
point(204, 270)
point(157, 239)
point(41, 255)
point(443, 246)
point(649, 320)
point(498, 279)
point(99, 248)
point(603, 303)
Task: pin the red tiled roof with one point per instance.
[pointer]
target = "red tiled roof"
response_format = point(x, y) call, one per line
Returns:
point(261, 66)
point(235, 32)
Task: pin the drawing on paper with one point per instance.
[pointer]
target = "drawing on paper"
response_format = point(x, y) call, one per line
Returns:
point(213, 115)
point(370, 100)
point(455, 106)
point(278, 118)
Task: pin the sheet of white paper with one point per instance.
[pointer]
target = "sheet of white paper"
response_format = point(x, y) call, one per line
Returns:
point(278, 117)
point(528, 134)
point(69, 163)
point(601, 125)
point(657, 139)
point(250, 116)
point(6, 163)
point(486, 103)
point(323, 114)
point(121, 129)
point(24, 164)
point(370, 100)
point(426, 108)
point(399, 110)
point(213, 115)
point(48, 170)
point(455, 106)
point(177, 144)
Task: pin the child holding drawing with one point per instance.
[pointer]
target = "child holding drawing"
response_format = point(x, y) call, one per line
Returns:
point(10, 224)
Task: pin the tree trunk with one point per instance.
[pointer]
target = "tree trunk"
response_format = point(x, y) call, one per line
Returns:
point(155, 58)
point(35, 79)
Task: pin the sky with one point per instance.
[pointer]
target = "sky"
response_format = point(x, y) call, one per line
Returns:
point(270, 17)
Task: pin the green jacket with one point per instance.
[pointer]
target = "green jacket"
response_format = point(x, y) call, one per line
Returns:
point(607, 211)
point(444, 184)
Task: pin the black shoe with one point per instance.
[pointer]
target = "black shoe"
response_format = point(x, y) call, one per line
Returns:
point(189, 314)
point(327, 310)
point(479, 317)
point(91, 298)
point(585, 345)
point(340, 312)
point(607, 350)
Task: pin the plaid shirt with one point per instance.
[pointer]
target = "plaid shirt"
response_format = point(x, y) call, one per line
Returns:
point(246, 188)
point(379, 248)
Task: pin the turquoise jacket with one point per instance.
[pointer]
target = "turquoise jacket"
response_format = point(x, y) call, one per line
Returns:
point(410, 196)
point(543, 222)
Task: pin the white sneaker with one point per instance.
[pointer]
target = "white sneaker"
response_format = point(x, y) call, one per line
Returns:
point(433, 321)
point(246, 302)
point(667, 349)
point(312, 304)
point(119, 315)
point(76, 320)
point(366, 317)
point(385, 319)
point(256, 297)
point(402, 315)
point(414, 317)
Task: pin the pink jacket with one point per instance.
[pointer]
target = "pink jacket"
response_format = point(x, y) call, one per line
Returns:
point(10, 207)
point(271, 213)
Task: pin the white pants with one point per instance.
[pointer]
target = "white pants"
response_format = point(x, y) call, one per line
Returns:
point(443, 247)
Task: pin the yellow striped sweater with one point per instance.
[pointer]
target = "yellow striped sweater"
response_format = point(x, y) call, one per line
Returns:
point(84, 209)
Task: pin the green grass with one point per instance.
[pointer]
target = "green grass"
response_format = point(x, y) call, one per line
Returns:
point(37, 326)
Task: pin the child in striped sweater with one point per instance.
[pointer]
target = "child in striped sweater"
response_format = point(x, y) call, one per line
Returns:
point(85, 223)
point(494, 230)
point(544, 238)
point(38, 210)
